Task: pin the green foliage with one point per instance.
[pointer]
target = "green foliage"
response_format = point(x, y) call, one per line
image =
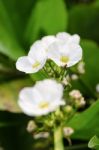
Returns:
point(9, 94)
point(19, 12)
point(91, 58)
point(21, 23)
point(83, 20)
point(86, 124)
point(94, 143)
point(8, 42)
point(48, 17)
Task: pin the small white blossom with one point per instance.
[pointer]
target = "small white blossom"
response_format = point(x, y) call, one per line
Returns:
point(65, 51)
point(43, 98)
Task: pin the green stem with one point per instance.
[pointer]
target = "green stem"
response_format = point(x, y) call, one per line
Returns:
point(58, 139)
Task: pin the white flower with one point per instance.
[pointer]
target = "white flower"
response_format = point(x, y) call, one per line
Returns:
point(37, 56)
point(43, 98)
point(65, 51)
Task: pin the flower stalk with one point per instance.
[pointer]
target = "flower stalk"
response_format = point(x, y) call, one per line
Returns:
point(58, 138)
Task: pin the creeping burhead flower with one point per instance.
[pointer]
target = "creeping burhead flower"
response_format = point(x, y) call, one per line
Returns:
point(43, 98)
point(37, 56)
point(65, 51)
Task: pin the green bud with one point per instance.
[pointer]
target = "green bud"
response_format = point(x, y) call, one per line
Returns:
point(68, 109)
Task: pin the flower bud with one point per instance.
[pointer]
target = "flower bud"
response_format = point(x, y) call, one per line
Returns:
point(68, 109)
point(68, 131)
point(31, 126)
point(80, 102)
point(74, 77)
point(65, 81)
point(75, 94)
point(41, 135)
point(81, 67)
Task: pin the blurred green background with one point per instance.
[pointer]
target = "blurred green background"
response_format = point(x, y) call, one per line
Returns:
point(21, 23)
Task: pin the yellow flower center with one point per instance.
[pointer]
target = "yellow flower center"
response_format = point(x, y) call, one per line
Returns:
point(64, 59)
point(43, 105)
point(36, 64)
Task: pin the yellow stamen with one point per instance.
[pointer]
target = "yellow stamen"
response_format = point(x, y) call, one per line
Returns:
point(36, 64)
point(43, 105)
point(64, 59)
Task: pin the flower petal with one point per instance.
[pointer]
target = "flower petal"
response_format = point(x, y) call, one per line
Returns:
point(49, 89)
point(37, 52)
point(65, 53)
point(75, 39)
point(23, 64)
point(75, 55)
point(67, 38)
point(55, 52)
point(63, 36)
point(47, 40)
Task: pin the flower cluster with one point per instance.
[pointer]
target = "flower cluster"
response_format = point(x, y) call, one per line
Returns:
point(47, 95)
point(63, 49)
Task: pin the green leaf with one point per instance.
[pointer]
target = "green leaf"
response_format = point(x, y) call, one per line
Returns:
point(91, 59)
point(83, 20)
point(19, 12)
point(86, 124)
point(8, 42)
point(9, 94)
point(48, 17)
point(91, 77)
point(94, 143)
point(8, 45)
